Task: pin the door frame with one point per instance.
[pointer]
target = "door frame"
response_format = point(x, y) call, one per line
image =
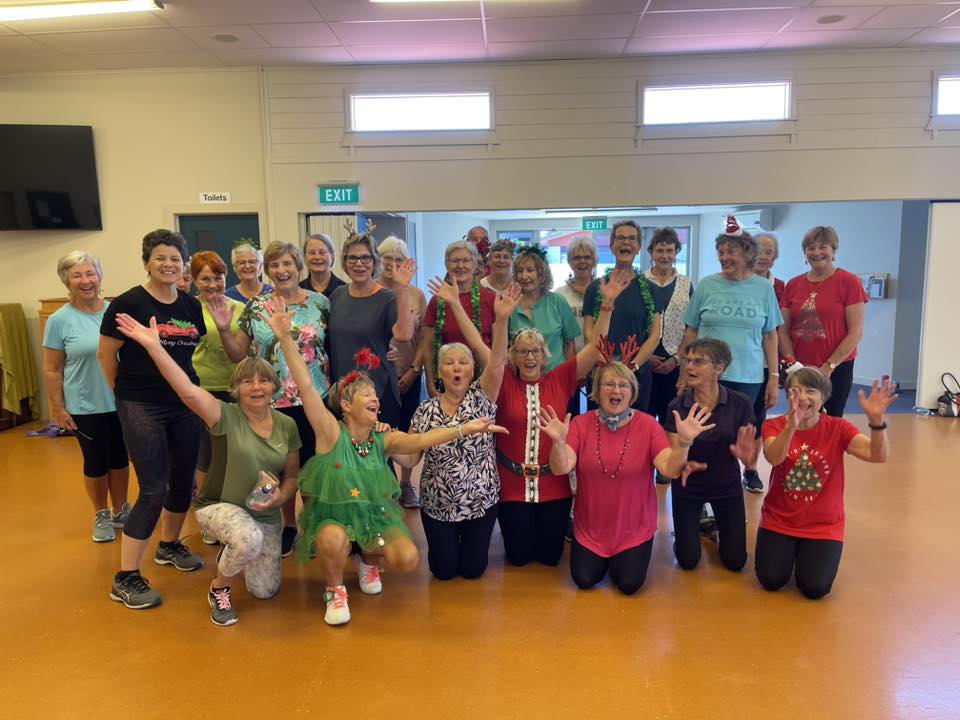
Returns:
point(172, 213)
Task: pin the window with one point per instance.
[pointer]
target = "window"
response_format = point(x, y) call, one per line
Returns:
point(731, 102)
point(947, 95)
point(419, 112)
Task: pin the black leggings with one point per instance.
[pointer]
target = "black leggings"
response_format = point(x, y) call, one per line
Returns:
point(731, 523)
point(308, 440)
point(760, 404)
point(101, 442)
point(814, 563)
point(663, 389)
point(409, 401)
point(842, 380)
point(163, 441)
point(458, 548)
point(534, 531)
point(628, 568)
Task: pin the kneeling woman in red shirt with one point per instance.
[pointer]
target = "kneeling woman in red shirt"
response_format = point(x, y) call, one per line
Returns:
point(802, 521)
point(614, 450)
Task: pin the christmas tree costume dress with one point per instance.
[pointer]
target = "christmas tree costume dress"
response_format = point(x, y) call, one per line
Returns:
point(351, 486)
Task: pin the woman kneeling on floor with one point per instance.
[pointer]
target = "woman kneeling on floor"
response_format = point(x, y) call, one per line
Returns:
point(614, 450)
point(802, 521)
point(349, 491)
point(256, 438)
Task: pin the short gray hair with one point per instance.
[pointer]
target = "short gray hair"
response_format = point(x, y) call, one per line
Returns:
point(454, 347)
point(75, 258)
point(243, 249)
point(325, 239)
point(392, 245)
point(462, 245)
point(583, 242)
point(772, 236)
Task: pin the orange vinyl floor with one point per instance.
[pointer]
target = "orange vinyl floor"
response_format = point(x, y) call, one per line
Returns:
point(518, 643)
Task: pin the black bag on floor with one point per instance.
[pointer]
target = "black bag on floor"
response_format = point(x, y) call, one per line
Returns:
point(948, 404)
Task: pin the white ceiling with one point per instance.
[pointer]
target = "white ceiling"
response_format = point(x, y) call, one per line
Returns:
point(310, 32)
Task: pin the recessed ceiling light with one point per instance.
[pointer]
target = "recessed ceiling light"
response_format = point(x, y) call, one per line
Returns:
point(39, 11)
point(226, 37)
point(830, 19)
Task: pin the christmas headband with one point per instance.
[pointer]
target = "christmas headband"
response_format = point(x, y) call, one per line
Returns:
point(531, 249)
point(732, 227)
point(365, 359)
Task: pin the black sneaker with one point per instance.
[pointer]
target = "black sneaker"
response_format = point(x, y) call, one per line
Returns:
point(661, 479)
point(222, 611)
point(178, 555)
point(568, 533)
point(752, 481)
point(287, 542)
point(135, 592)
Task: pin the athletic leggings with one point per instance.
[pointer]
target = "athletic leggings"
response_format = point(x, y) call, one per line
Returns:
point(628, 568)
point(249, 546)
point(308, 440)
point(731, 523)
point(814, 563)
point(458, 548)
point(663, 389)
point(101, 442)
point(163, 441)
point(842, 380)
point(534, 531)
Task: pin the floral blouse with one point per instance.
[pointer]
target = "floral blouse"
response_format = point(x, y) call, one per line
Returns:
point(459, 480)
point(309, 330)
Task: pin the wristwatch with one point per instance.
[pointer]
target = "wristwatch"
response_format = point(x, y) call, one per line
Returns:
point(832, 365)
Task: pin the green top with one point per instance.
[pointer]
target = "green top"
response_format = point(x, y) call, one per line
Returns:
point(210, 360)
point(239, 454)
point(553, 317)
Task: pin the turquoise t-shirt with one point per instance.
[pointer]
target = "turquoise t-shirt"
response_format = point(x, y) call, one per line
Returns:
point(553, 317)
point(76, 334)
point(739, 313)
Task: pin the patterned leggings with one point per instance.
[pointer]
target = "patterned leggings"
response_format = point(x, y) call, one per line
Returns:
point(250, 547)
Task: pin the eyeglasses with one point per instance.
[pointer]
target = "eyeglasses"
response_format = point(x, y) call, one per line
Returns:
point(698, 361)
point(460, 261)
point(626, 238)
point(244, 263)
point(611, 385)
point(581, 258)
point(532, 352)
point(358, 259)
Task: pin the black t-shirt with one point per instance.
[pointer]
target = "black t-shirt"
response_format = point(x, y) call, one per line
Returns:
point(661, 298)
point(332, 285)
point(181, 327)
point(629, 313)
point(721, 479)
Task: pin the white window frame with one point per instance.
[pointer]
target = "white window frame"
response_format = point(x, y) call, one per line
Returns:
point(736, 128)
point(942, 122)
point(353, 139)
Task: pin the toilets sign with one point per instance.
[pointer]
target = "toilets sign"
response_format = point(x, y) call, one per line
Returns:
point(340, 194)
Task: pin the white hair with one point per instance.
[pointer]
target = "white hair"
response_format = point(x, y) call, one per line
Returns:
point(243, 249)
point(75, 258)
point(392, 245)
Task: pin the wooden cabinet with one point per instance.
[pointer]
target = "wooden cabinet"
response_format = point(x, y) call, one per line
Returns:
point(47, 308)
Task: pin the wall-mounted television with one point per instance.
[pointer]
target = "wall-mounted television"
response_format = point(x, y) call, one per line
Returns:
point(48, 178)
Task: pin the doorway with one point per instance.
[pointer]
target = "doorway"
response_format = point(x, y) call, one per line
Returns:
point(220, 234)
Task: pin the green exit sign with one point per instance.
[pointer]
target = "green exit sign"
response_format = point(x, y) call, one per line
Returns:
point(340, 194)
point(593, 223)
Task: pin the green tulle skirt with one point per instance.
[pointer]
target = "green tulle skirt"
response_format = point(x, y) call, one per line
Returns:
point(359, 494)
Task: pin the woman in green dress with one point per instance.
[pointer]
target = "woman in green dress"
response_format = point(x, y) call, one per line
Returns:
point(349, 491)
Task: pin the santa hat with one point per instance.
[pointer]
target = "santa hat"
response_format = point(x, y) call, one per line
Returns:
point(732, 228)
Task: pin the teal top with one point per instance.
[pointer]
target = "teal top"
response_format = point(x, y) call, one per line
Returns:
point(553, 317)
point(738, 312)
point(76, 334)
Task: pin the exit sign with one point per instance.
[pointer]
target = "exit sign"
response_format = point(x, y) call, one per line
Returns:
point(593, 223)
point(341, 194)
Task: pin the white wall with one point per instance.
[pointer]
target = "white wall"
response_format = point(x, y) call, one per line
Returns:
point(940, 342)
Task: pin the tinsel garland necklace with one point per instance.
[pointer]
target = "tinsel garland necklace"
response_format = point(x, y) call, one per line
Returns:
point(442, 321)
point(623, 453)
point(644, 291)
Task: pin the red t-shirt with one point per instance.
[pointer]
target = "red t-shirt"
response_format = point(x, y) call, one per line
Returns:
point(818, 320)
point(518, 407)
point(615, 513)
point(778, 289)
point(806, 490)
point(451, 329)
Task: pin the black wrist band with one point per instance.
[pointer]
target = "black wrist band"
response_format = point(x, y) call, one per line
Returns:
point(882, 426)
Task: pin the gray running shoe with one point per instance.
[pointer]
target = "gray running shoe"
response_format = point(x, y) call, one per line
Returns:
point(120, 518)
point(179, 556)
point(135, 592)
point(103, 527)
point(408, 497)
point(222, 611)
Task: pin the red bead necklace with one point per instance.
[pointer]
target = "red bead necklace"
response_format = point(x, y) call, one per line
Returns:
point(623, 452)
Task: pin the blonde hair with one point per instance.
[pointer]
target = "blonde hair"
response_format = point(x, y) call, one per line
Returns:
point(277, 249)
point(251, 367)
point(523, 334)
point(539, 264)
point(339, 394)
point(620, 370)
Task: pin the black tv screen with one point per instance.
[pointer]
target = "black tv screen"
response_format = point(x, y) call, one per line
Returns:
point(48, 178)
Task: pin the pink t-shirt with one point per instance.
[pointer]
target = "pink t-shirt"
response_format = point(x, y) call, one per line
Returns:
point(615, 513)
point(818, 320)
point(806, 490)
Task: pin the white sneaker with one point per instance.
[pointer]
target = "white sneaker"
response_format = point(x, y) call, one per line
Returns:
point(338, 611)
point(369, 577)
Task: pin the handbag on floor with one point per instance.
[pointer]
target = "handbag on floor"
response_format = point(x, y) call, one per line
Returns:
point(948, 404)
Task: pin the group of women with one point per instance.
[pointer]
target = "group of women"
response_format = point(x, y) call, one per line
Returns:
point(263, 390)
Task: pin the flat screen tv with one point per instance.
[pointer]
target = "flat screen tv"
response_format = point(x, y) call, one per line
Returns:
point(48, 178)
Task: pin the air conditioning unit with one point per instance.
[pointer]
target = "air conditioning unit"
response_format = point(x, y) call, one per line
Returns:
point(754, 221)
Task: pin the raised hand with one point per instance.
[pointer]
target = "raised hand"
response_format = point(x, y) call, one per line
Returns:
point(552, 426)
point(146, 336)
point(443, 290)
point(507, 301)
point(689, 469)
point(220, 311)
point(747, 446)
point(694, 424)
point(403, 272)
point(278, 317)
point(881, 397)
point(611, 287)
point(793, 407)
point(483, 425)
point(628, 349)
